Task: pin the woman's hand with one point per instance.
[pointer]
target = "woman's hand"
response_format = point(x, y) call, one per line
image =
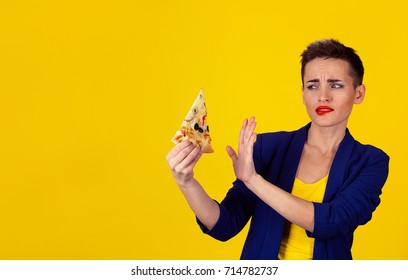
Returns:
point(182, 159)
point(243, 161)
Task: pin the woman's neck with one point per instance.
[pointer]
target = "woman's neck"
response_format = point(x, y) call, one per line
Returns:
point(326, 139)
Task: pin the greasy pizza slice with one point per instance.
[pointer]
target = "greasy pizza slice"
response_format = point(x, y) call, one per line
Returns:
point(194, 127)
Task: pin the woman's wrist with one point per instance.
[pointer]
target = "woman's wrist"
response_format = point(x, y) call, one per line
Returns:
point(253, 181)
point(187, 184)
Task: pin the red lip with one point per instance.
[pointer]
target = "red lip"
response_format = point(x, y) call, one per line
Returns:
point(321, 110)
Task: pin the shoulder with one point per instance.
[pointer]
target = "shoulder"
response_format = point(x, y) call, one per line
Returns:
point(270, 149)
point(368, 158)
point(282, 139)
point(368, 152)
point(275, 137)
point(275, 145)
point(273, 140)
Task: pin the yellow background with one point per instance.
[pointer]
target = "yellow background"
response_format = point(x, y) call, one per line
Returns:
point(91, 92)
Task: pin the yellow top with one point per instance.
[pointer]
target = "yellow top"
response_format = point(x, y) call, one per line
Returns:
point(296, 245)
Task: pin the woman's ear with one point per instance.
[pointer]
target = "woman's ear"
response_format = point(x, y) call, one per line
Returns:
point(360, 93)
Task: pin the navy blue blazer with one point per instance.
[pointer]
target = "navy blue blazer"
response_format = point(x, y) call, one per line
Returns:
point(356, 177)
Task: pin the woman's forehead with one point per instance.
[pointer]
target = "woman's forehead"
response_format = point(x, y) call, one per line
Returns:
point(336, 68)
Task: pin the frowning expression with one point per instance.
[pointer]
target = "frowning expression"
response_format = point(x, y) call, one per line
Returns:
point(328, 91)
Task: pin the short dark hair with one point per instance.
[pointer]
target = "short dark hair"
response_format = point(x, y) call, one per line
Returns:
point(331, 48)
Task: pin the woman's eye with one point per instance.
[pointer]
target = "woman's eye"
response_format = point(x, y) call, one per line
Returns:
point(312, 87)
point(336, 86)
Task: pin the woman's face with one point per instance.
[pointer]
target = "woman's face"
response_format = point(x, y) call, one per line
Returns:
point(329, 93)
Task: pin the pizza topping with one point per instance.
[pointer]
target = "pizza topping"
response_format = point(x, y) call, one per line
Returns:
point(198, 128)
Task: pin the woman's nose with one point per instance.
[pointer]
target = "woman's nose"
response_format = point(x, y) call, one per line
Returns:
point(324, 95)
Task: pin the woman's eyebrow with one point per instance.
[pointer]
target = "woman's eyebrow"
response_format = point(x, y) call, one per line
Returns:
point(328, 80)
point(333, 80)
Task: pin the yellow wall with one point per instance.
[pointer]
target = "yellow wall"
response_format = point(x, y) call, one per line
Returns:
point(91, 93)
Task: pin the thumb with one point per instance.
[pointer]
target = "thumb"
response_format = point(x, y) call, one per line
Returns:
point(232, 154)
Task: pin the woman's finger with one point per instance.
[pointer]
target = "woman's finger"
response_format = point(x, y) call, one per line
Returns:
point(242, 132)
point(182, 153)
point(232, 154)
point(180, 146)
point(249, 128)
point(250, 146)
point(190, 160)
point(197, 157)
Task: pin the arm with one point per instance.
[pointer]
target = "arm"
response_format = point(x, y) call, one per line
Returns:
point(294, 209)
point(182, 159)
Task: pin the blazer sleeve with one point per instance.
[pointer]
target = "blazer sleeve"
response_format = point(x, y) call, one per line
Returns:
point(356, 200)
point(238, 205)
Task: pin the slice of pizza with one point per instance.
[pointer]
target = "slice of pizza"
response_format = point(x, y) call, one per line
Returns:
point(194, 127)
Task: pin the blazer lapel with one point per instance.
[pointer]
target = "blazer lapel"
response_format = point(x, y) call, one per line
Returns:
point(292, 159)
point(337, 172)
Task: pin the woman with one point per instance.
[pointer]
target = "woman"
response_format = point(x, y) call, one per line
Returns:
point(306, 190)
